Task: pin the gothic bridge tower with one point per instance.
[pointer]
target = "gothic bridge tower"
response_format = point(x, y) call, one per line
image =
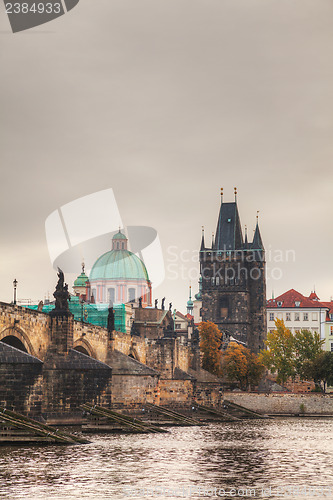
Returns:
point(233, 280)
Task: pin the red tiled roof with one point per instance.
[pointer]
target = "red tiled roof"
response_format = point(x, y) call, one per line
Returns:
point(329, 305)
point(178, 313)
point(289, 298)
point(189, 316)
point(313, 296)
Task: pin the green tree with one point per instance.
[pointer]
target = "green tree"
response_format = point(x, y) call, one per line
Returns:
point(280, 354)
point(308, 347)
point(210, 343)
point(240, 364)
point(321, 369)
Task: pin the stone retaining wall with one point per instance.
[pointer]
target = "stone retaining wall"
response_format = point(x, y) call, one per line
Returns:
point(320, 404)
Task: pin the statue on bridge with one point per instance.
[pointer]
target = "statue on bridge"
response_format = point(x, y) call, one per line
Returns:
point(110, 320)
point(61, 295)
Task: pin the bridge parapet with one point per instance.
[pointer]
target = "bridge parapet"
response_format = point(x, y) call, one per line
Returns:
point(32, 328)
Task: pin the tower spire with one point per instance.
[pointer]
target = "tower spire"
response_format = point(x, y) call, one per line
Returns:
point(257, 241)
point(190, 302)
point(202, 248)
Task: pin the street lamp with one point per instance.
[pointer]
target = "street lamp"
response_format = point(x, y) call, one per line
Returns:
point(15, 287)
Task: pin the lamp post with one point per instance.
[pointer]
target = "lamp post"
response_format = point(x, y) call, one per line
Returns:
point(15, 287)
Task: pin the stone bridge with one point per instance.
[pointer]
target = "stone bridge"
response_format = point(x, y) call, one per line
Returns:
point(30, 331)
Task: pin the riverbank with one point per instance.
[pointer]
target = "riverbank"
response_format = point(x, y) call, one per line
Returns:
point(286, 404)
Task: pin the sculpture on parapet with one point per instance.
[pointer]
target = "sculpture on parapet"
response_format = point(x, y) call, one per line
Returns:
point(140, 302)
point(156, 301)
point(170, 306)
point(110, 320)
point(163, 300)
point(61, 295)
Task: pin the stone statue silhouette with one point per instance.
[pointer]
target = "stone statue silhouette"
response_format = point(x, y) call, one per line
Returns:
point(110, 320)
point(163, 300)
point(61, 294)
point(140, 302)
point(170, 306)
point(156, 300)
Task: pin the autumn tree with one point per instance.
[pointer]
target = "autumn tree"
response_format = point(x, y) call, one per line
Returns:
point(210, 343)
point(280, 354)
point(308, 347)
point(240, 364)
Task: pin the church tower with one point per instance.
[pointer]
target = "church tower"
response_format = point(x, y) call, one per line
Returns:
point(233, 280)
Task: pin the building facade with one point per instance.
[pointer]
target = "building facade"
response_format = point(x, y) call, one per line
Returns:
point(233, 280)
point(298, 312)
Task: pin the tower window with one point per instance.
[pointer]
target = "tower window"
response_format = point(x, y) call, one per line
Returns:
point(224, 308)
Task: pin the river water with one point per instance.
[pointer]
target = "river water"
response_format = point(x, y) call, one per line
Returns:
point(281, 458)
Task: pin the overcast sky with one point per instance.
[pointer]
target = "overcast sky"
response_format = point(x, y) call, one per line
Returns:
point(165, 101)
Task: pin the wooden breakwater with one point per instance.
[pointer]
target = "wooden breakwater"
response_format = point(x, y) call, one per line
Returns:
point(16, 428)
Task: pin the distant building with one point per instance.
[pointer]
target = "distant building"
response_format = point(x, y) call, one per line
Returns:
point(298, 312)
point(119, 276)
point(328, 346)
point(233, 280)
point(197, 304)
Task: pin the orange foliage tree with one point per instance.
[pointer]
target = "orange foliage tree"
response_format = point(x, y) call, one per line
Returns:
point(240, 364)
point(210, 343)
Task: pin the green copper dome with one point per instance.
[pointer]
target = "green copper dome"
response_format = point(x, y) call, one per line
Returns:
point(119, 265)
point(119, 236)
point(81, 280)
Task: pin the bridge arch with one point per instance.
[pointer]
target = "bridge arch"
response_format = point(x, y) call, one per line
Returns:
point(84, 347)
point(16, 337)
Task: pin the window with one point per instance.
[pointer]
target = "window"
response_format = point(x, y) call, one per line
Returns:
point(111, 294)
point(178, 326)
point(314, 316)
point(279, 304)
point(288, 316)
point(331, 346)
point(297, 304)
point(212, 281)
point(296, 316)
point(305, 317)
point(224, 309)
point(271, 316)
point(131, 294)
point(217, 280)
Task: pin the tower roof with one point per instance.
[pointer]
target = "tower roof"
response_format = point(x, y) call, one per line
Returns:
point(257, 243)
point(228, 232)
